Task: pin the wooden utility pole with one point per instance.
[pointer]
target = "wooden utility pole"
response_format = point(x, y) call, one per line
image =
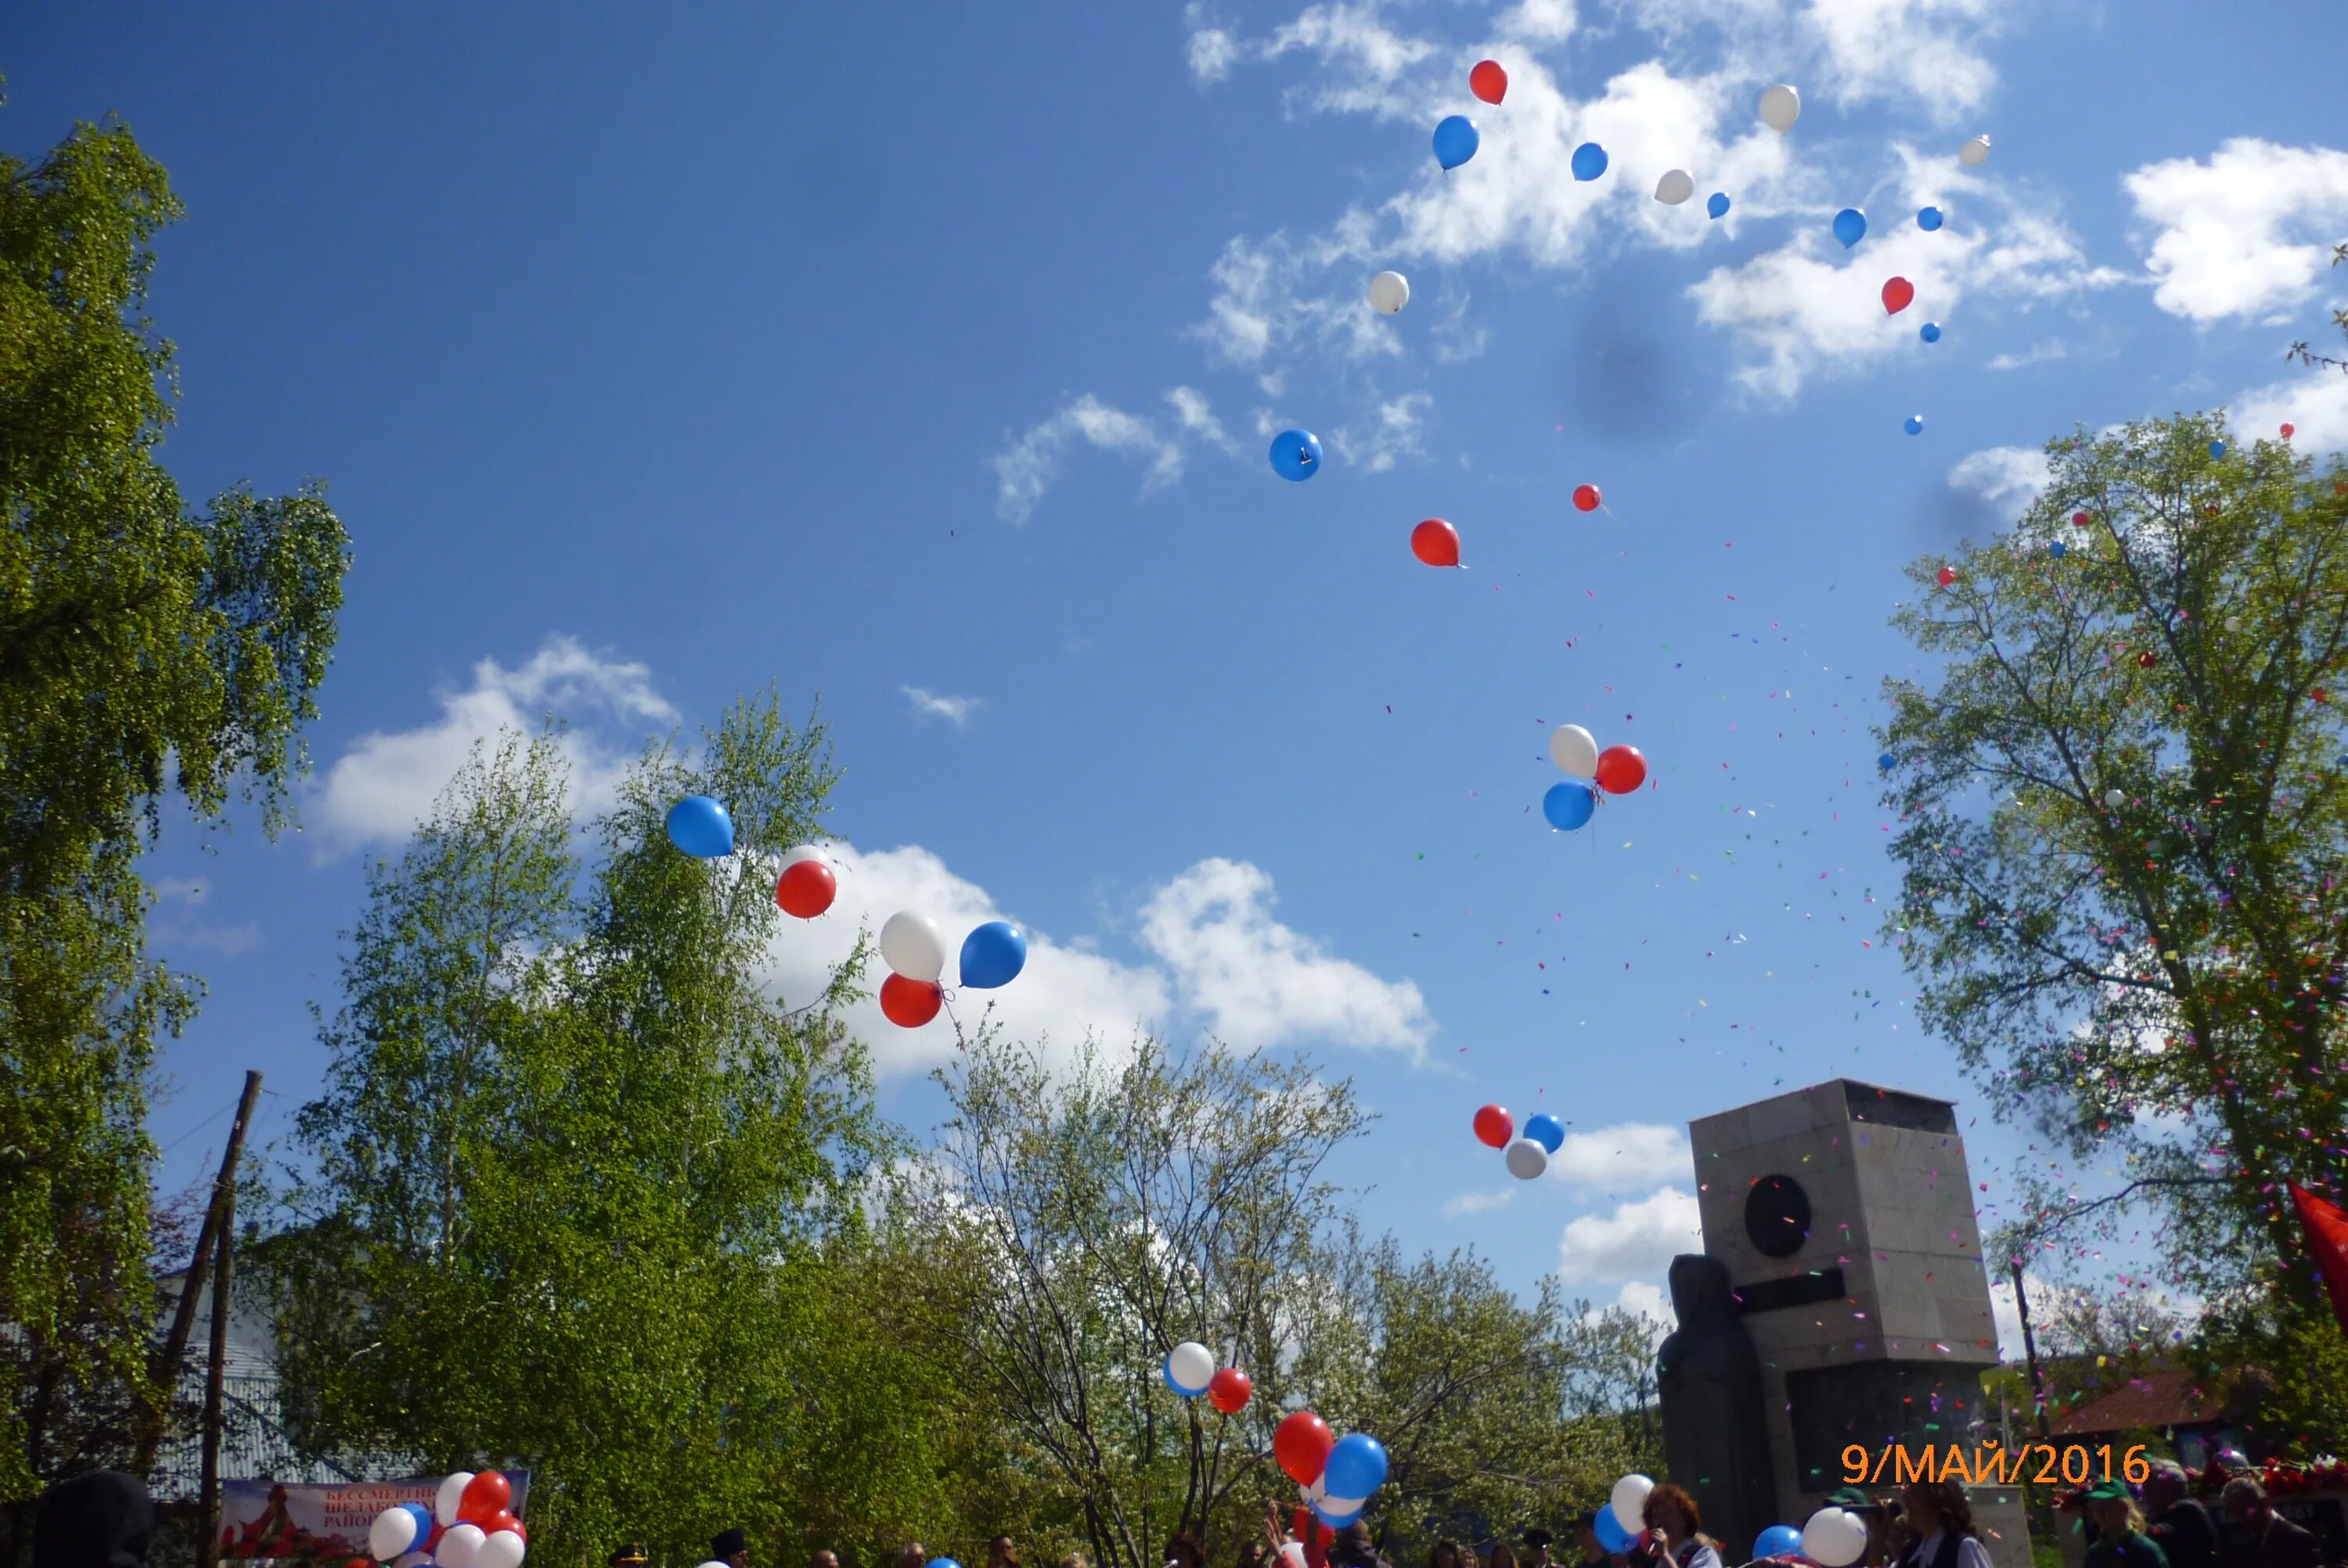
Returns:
point(164, 1371)
point(215, 1390)
point(2030, 1349)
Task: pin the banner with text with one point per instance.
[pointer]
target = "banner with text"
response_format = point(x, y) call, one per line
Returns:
point(268, 1519)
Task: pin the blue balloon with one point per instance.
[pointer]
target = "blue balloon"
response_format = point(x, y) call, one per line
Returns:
point(1611, 1536)
point(1569, 805)
point(1718, 205)
point(1928, 220)
point(1357, 1467)
point(1589, 160)
point(1850, 226)
point(1545, 1129)
point(699, 826)
point(422, 1513)
point(1930, 332)
point(1455, 142)
point(1333, 1520)
point(1780, 1540)
point(2057, 549)
point(1915, 425)
point(993, 955)
point(942, 1563)
point(1887, 762)
point(1296, 454)
point(2217, 450)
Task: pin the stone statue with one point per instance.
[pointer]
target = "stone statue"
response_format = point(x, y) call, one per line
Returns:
point(1716, 1438)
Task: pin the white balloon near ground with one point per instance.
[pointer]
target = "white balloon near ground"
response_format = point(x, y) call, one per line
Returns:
point(1190, 1367)
point(450, 1497)
point(460, 1545)
point(1780, 106)
point(503, 1550)
point(1834, 1538)
point(1676, 187)
point(1574, 750)
point(1629, 1502)
point(392, 1534)
point(1527, 1159)
point(912, 945)
point(806, 852)
point(1389, 291)
point(1975, 152)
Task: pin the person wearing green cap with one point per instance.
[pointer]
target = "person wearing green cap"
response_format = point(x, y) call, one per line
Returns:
point(2120, 1540)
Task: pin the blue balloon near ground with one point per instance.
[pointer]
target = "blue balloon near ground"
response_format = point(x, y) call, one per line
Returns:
point(1296, 454)
point(1357, 1467)
point(1930, 332)
point(1455, 142)
point(1928, 220)
point(1777, 1541)
point(1611, 1536)
point(1545, 1129)
point(2217, 450)
point(1915, 425)
point(1718, 205)
point(993, 955)
point(1887, 762)
point(419, 1511)
point(699, 826)
point(2058, 549)
point(1589, 160)
point(1569, 805)
point(1850, 226)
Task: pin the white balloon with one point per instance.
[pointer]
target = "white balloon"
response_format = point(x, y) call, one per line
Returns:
point(1834, 1537)
point(806, 852)
point(1527, 1159)
point(915, 948)
point(1340, 1507)
point(2114, 798)
point(1629, 1502)
point(1575, 750)
point(1975, 151)
point(1676, 187)
point(1292, 1554)
point(451, 1497)
point(1781, 106)
point(503, 1550)
point(393, 1533)
point(1389, 291)
point(460, 1546)
point(1190, 1368)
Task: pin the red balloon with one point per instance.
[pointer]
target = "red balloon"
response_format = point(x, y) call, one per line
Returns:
point(2079, 520)
point(1436, 542)
point(909, 1004)
point(501, 1520)
point(1897, 294)
point(1620, 770)
point(1585, 497)
point(1945, 576)
point(1487, 81)
point(2286, 432)
point(1495, 1126)
point(1228, 1390)
point(806, 888)
point(484, 1496)
point(1301, 1443)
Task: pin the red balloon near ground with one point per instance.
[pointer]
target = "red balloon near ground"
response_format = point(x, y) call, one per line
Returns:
point(1620, 769)
point(2286, 432)
point(806, 888)
point(484, 1496)
point(1585, 498)
point(1301, 1443)
point(1898, 295)
point(1495, 1126)
point(1228, 1390)
point(1487, 81)
point(909, 1004)
point(1436, 542)
point(1945, 576)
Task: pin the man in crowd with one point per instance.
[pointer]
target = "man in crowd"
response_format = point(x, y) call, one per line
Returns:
point(732, 1548)
point(1537, 1541)
point(2263, 1538)
point(826, 1558)
point(2180, 1526)
point(1585, 1540)
point(104, 1520)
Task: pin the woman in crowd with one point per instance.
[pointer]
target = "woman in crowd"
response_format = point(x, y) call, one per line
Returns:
point(2120, 1540)
point(1941, 1533)
point(1674, 1533)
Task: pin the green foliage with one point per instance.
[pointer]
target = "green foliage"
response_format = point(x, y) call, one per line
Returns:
point(145, 649)
point(2114, 972)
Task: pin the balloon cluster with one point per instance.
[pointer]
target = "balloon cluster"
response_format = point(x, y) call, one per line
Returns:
point(1190, 1371)
point(1624, 1516)
point(915, 952)
point(1590, 773)
point(467, 1526)
point(1338, 1474)
point(1527, 1156)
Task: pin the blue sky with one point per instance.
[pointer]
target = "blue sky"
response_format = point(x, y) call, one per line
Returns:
point(925, 359)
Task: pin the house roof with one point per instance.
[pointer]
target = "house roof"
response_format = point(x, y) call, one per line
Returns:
point(2161, 1397)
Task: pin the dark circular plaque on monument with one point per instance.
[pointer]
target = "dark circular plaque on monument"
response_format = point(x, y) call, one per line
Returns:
point(1777, 1216)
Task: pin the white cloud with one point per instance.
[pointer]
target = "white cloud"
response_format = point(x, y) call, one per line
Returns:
point(1212, 52)
point(1539, 21)
point(2039, 353)
point(1259, 983)
point(1468, 1204)
point(1637, 1240)
point(2044, 1299)
point(385, 782)
point(1394, 435)
point(187, 890)
point(954, 711)
point(1650, 1301)
point(1030, 465)
point(1922, 53)
point(1631, 1154)
point(2315, 405)
point(2008, 477)
point(1197, 418)
point(2245, 234)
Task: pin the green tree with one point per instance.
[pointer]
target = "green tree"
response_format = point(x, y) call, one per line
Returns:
point(147, 650)
point(581, 1184)
point(2125, 807)
point(2308, 356)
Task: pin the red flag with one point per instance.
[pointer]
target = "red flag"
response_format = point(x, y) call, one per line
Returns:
point(2326, 1228)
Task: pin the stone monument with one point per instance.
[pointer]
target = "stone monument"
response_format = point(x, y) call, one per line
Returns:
point(1843, 1216)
